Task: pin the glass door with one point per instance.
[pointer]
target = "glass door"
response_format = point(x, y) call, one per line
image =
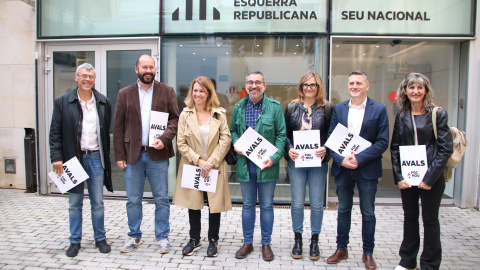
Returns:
point(115, 68)
point(118, 68)
point(387, 63)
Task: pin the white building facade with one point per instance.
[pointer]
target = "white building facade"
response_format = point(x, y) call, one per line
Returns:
point(224, 40)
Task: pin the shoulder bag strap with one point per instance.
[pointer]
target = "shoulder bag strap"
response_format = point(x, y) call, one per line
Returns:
point(414, 129)
point(434, 121)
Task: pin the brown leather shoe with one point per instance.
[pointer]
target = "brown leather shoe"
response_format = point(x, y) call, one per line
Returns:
point(267, 253)
point(338, 256)
point(243, 252)
point(369, 262)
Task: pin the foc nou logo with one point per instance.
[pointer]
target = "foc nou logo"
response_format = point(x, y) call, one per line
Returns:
point(189, 11)
point(414, 174)
point(207, 181)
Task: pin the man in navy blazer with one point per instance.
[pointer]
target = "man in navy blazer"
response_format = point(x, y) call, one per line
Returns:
point(369, 119)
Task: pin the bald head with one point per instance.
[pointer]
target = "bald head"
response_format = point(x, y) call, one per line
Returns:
point(144, 57)
point(145, 69)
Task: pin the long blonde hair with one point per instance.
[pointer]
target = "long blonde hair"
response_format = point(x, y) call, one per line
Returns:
point(403, 103)
point(207, 85)
point(320, 99)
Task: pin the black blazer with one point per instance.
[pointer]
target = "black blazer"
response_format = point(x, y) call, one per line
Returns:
point(438, 150)
point(320, 121)
point(66, 132)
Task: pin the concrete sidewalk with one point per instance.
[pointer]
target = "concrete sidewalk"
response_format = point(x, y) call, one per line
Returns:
point(34, 234)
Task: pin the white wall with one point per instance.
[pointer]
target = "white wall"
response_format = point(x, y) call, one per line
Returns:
point(17, 88)
point(470, 187)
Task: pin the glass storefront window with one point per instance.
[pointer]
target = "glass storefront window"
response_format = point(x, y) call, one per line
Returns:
point(386, 63)
point(98, 18)
point(227, 60)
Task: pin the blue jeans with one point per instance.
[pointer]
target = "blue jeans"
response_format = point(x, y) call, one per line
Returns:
point(134, 177)
point(367, 188)
point(266, 190)
point(316, 178)
point(93, 166)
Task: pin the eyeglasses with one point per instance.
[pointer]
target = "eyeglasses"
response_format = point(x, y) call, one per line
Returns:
point(257, 83)
point(84, 76)
point(305, 86)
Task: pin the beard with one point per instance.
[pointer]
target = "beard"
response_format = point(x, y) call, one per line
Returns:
point(141, 77)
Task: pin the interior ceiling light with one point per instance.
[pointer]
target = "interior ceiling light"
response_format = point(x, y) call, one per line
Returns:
point(418, 45)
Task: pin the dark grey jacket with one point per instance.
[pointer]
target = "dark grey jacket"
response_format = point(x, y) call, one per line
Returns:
point(438, 150)
point(320, 121)
point(66, 132)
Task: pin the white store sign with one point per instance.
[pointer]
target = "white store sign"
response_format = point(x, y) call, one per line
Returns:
point(402, 17)
point(242, 16)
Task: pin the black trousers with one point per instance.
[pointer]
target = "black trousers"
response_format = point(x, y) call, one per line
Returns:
point(194, 217)
point(431, 256)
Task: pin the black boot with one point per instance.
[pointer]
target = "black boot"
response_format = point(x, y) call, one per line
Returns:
point(314, 250)
point(297, 247)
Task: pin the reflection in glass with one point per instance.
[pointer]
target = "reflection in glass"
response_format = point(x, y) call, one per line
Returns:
point(227, 60)
point(120, 73)
point(386, 63)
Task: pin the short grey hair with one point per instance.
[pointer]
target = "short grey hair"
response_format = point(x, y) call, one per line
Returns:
point(359, 72)
point(255, 72)
point(86, 66)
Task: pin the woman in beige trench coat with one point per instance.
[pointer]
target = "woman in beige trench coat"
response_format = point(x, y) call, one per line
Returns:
point(203, 139)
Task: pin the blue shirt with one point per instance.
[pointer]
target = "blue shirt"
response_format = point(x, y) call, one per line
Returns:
point(252, 111)
point(145, 108)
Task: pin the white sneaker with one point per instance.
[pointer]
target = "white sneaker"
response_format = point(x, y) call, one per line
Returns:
point(399, 267)
point(164, 246)
point(130, 244)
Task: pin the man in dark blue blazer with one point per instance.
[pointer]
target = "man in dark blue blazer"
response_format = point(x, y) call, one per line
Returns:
point(369, 119)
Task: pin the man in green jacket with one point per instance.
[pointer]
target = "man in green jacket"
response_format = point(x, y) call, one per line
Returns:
point(264, 115)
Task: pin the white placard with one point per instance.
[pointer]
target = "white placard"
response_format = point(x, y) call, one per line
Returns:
point(73, 175)
point(192, 179)
point(306, 142)
point(255, 147)
point(404, 17)
point(414, 165)
point(158, 125)
point(343, 141)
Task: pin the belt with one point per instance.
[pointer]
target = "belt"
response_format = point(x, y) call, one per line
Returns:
point(89, 152)
point(144, 148)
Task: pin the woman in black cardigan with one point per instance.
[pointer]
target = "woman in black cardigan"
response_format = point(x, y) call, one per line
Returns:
point(415, 100)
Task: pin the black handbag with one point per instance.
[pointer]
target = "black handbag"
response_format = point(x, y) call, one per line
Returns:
point(231, 156)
